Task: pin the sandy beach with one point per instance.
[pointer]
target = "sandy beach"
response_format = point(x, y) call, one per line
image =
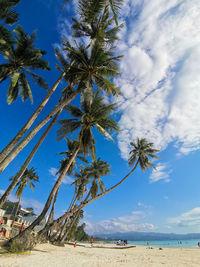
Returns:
point(47, 255)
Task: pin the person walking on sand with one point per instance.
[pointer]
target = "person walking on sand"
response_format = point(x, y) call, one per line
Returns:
point(91, 240)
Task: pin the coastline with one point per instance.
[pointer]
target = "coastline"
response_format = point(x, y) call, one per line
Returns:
point(47, 255)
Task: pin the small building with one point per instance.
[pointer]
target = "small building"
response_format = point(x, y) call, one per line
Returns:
point(14, 221)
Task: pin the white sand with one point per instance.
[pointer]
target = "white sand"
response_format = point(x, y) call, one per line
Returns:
point(46, 255)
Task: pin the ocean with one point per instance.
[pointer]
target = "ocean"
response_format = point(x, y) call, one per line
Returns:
point(190, 243)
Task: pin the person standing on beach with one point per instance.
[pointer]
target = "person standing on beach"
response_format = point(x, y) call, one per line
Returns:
point(91, 240)
point(21, 228)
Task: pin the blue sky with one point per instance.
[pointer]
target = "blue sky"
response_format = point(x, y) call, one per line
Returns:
point(160, 101)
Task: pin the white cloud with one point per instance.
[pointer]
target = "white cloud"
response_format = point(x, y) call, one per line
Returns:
point(66, 179)
point(120, 224)
point(32, 203)
point(160, 78)
point(161, 172)
point(190, 218)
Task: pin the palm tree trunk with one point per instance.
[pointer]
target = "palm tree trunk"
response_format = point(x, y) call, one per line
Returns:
point(50, 219)
point(26, 163)
point(59, 239)
point(45, 230)
point(70, 227)
point(35, 130)
point(16, 211)
point(28, 124)
point(25, 235)
point(85, 203)
point(27, 231)
point(75, 219)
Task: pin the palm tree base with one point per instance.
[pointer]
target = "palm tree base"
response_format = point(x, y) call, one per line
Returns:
point(23, 241)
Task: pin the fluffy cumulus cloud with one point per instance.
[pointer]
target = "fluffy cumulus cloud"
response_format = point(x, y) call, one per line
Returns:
point(161, 172)
point(66, 179)
point(160, 78)
point(187, 219)
point(134, 222)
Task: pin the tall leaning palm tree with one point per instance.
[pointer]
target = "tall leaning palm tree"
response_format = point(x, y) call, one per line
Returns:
point(26, 163)
point(81, 181)
point(71, 145)
point(94, 172)
point(96, 115)
point(105, 29)
point(89, 68)
point(28, 177)
point(141, 154)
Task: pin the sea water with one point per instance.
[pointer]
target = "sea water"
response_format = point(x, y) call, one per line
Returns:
point(190, 243)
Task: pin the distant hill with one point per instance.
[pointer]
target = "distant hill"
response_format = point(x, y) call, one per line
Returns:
point(147, 236)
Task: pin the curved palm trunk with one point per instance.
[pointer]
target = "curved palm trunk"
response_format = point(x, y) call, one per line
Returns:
point(28, 124)
point(85, 203)
point(24, 237)
point(35, 130)
point(73, 203)
point(70, 227)
point(17, 208)
point(50, 219)
point(26, 233)
point(26, 163)
point(74, 220)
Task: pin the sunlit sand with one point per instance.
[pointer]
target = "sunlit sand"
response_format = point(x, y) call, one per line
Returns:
point(47, 255)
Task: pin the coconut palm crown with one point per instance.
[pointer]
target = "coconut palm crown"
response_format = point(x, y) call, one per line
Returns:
point(81, 181)
point(100, 29)
point(95, 67)
point(28, 177)
point(85, 119)
point(21, 58)
point(72, 146)
point(97, 169)
point(90, 8)
point(7, 14)
point(142, 152)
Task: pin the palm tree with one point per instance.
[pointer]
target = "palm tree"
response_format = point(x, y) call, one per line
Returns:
point(30, 121)
point(28, 177)
point(26, 163)
point(97, 169)
point(93, 67)
point(22, 58)
point(96, 67)
point(100, 29)
point(72, 225)
point(7, 14)
point(71, 144)
point(140, 155)
point(95, 115)
point(81, 181)
point(90, 8)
